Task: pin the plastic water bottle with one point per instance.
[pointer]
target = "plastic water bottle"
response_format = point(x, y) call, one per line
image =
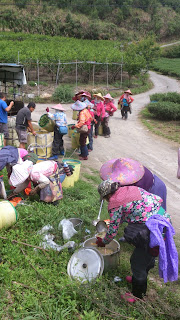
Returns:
point(66, 169)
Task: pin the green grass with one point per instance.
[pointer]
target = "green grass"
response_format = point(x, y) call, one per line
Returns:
point(167, 66)
point(35, 284)
point(166, 129)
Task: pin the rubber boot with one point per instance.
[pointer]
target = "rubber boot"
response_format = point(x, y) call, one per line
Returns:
point(55, 157)
point(139, 287)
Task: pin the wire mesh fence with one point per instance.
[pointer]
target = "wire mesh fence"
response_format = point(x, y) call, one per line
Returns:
point(74, 72)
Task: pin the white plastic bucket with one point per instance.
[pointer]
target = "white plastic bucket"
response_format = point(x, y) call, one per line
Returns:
point(8, 214)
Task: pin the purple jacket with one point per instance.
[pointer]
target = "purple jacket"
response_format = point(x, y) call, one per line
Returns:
point(168, 255)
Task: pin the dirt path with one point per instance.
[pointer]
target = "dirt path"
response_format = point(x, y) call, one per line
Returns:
point(131, 139)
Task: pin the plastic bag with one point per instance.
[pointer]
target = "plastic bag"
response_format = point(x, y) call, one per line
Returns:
point(68, 230)
point(46, 229)
point(47, 240)
point(49, 243)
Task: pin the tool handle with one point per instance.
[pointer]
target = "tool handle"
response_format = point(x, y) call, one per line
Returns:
point(100, 209)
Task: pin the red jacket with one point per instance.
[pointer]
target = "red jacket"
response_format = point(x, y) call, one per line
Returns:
point(129, 99)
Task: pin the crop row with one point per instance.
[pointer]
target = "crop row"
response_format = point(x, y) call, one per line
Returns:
point(52, 49)
point(167, 66)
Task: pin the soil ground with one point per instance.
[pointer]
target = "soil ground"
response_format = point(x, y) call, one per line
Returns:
point(131, 139)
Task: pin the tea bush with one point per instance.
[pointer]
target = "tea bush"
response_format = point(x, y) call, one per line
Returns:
point(165, 110)
point(170, 96)
point(63, 93)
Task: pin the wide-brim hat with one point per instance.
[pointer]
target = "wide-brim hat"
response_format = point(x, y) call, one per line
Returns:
point(88, 103)
point(77, 94)
point(58, 107)
point(124, 170)
point(98, 95)
point(86, 94)
point(128, 91)
point(108, 96)
point(78, 106)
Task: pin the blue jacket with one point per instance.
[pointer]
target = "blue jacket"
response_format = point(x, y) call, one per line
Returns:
point(8, 154)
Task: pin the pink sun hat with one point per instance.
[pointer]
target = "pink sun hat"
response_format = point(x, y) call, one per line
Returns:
point(58, 107)
point(86, 94)
point(108, 96)
point(128, 91)
point(124, 170)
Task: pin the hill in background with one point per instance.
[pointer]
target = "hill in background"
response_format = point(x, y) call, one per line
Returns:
point(93, 19)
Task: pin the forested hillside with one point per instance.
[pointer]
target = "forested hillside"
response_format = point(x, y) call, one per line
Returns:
point(93, 19)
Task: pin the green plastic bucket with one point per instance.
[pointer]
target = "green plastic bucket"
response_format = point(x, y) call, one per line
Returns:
point(75, 114)
point(46, 123)
point(70, 131)
point(77, 166)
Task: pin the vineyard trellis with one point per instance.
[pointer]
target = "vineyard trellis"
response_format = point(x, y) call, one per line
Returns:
point(39, 70)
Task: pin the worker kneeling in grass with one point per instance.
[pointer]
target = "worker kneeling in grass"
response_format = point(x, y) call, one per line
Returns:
point(45, 176)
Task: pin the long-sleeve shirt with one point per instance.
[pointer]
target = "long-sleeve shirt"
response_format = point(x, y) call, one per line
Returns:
point(39, 174)
point(135, 211)
point(59, 118)
point(84, 118)
point(127, 97)
point(99, 108)
point(110, 107)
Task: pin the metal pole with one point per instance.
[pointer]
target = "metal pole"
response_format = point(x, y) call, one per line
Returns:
point(107, 76)
point(121, 70)
point(38, 76)
point(76, 73)
point(93, 74)
point(57, 75)
point(18, 57)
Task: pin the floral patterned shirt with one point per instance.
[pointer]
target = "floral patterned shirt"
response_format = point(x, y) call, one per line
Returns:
point(135, 211)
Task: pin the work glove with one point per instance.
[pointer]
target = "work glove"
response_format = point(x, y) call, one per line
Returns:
point(73, 127)
point(99, 242)
point(47, 109)
point(154, 251)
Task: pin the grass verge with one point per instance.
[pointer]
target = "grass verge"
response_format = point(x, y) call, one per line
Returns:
point(35, 284)
point(167, 129)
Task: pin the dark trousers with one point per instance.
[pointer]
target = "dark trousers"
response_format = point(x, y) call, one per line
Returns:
point(141, 263)
point(90, 136)
point(58, 142)
point(82, 142)
point(106, 129)
point(98, 119)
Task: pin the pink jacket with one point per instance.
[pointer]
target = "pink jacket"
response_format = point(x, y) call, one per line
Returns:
point(110, 107)
point(99, 109)
point(45, 168)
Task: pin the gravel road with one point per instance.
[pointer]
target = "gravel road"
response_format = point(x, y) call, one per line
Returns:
point(131, 139)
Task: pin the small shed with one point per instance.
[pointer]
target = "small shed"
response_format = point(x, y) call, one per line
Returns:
point(12, 80)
